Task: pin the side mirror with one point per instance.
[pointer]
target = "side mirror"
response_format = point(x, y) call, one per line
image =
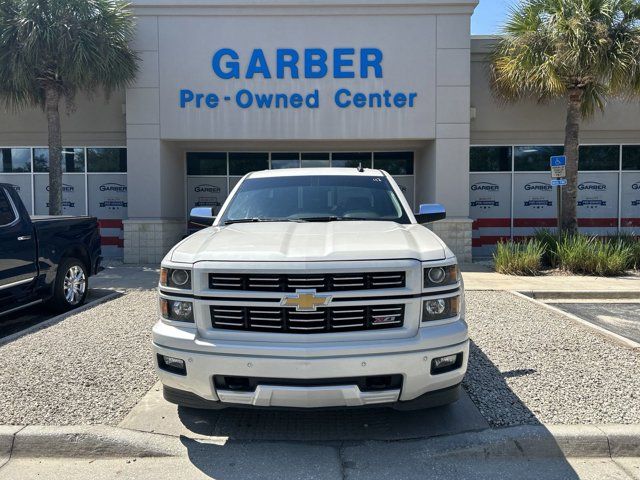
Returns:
point(431, 212)
point(202, 216)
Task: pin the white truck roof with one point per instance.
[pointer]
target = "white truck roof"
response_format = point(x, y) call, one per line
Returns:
point(293, 172)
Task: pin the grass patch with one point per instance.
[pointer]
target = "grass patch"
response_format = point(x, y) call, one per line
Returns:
point(523, 258)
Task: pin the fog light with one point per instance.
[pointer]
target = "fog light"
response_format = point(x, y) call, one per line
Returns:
point(172, 364)
point(435, 307)
point(446, 363)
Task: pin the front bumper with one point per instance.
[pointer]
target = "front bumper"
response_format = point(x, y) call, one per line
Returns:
point(411, 358)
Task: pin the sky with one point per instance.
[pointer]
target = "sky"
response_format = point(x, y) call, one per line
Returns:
point(489, 16)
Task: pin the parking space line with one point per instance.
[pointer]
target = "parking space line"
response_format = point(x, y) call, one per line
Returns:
point(603, 331)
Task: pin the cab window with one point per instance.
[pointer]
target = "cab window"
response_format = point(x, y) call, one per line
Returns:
point(7, 214)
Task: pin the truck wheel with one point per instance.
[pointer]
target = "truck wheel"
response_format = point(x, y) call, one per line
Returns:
point(71, 285)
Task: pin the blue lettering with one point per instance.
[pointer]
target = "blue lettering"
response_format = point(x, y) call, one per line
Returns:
point(315, 63)
point(359, 100)
point(282, 101)
point(287, 58)
point(296, 100)
point(244, 98)
point(232, 68)
point(212, 100)
point(186, 96)
point(258, 64)
point(263, 100)
point(339, 62)
point(370, 58)
point(313, 99)
point(399, 100)
point(338, 98)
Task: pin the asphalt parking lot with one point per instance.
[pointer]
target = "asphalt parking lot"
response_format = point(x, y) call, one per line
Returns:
point(620, 318)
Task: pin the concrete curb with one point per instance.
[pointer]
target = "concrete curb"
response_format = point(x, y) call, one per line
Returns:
point(526, 441)
point(90, 441)
point(602, 331)
point(582, 295)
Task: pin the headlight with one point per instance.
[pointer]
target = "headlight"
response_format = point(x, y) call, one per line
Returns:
point(175, 310)
point(440, 308)
point(441, 276)
point(175, 278)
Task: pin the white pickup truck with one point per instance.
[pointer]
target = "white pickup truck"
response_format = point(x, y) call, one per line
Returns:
point(312, 288)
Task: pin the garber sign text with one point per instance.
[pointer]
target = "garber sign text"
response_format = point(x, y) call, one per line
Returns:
point(292, 64)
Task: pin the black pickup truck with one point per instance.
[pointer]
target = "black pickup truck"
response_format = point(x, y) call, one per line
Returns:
point(44, 259)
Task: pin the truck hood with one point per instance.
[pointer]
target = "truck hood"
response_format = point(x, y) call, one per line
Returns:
point(313, 241)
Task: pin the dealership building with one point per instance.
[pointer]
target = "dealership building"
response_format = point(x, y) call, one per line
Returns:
point(227, 87)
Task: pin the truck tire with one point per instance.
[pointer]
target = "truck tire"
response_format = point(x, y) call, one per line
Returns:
point(71, 285)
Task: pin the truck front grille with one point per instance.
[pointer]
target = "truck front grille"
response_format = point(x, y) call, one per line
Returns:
point(320, 282)
point(332, 319)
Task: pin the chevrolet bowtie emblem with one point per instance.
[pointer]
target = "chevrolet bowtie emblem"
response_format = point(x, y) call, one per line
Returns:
point(305, 300)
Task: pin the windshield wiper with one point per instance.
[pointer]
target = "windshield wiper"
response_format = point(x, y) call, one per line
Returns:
point(258, 219)
point(331, 218)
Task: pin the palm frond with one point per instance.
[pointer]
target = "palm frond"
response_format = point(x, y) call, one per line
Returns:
point(552, 47)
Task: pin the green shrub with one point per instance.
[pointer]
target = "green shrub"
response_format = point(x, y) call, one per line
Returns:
point(632, 242)
point(592, 256)
point(549, 241)
point(513, 258)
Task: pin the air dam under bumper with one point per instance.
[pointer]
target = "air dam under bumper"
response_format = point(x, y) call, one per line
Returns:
point(414, 366)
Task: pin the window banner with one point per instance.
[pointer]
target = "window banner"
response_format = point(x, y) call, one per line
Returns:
point(21, 183)
point(631, 202)
point(490, 207)
point(534, 204)
point(73, 194)
point(406, 187)
point(206, 192)
point(108, 195)
point(597, 208)
point(108, 203)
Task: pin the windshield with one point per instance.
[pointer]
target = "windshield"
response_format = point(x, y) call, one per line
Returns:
point(315, 198)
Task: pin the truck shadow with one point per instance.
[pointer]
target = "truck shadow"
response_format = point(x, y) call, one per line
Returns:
point(276, 442)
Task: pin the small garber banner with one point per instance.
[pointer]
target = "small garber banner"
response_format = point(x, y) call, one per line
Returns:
point(288, 65)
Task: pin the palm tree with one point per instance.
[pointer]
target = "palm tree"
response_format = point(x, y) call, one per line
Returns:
point(580, 51)
point(51, 49)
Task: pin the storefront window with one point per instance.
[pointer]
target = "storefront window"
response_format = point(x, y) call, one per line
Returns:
point(109, 160)
point(535, 158)
point(631, 157)
point(394, 163)
point(206, 163)
point(314, 160)
point(351, 159)
point(599, 157)
point(243, 163)
point(15, 160)
point(490, 159)
point(285, 160)
point(72, 160)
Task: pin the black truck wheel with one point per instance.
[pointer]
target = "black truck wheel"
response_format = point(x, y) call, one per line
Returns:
point(71, 285)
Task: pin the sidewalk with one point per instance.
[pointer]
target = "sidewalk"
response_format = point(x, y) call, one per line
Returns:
point(479, 277)
point(526, 452)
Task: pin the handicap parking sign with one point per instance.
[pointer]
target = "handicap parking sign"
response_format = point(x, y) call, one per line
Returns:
point(559, 161)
